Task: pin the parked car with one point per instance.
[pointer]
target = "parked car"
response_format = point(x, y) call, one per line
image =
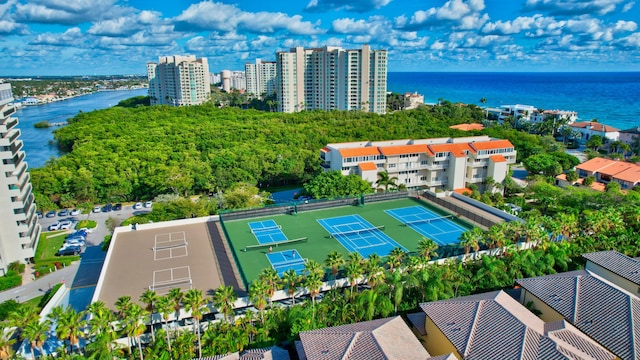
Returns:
point(80, 232)
point(137, 206)
point(63, 212)
point(74, 242)
point(75, 212)
point(69, 250)
point(77, 237)
point(54, 226)
point(66, 225)
point(39, 213)
point(51, 214)
point(117, 207)
point(97, 209)
point(107, 208)
point(148, 204)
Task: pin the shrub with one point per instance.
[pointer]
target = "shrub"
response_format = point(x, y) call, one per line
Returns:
point(8, 282)
point(42, 125)
point(48, 295)
point(89, 224)
point(7, 308)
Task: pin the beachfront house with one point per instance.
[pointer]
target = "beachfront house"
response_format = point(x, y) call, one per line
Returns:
point(589, 128)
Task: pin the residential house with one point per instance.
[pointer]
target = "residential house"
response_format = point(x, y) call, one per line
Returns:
point(388, 338)
point(413, 100)
point(630, 136)
point(616, 268)
point(494, 325)
point(432, 164)
point(604, 311)
point(588, 129)
point(607, 170)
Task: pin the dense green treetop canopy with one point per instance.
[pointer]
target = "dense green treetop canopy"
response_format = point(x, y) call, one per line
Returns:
point(139, 152)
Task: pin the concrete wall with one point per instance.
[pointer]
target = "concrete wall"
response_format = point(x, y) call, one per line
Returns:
point(548, 313)
point(436, 343)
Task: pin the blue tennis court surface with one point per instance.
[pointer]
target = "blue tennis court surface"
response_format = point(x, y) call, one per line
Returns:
point(282, 261)
point(442, 230)
point(357, 235)
point(267, 231)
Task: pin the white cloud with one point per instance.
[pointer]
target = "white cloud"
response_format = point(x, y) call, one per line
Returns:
point(360, 6)
point(215, 16)
point(68, 12)
point(631, 41)
point(71, 37)
point(574, 7)
point(124, 26)
point(463, 13)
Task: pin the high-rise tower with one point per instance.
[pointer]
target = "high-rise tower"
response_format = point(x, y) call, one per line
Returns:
point(179, 80)
point(19, 228)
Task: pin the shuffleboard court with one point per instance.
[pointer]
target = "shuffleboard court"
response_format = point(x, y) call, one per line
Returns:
point(358, 235)
point(441, 229)
point(267, 231)
point(281, 261)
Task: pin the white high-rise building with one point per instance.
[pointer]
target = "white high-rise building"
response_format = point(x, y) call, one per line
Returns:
point(261, 77)
point(19, 228)
point(331, 78)
point(179, 81)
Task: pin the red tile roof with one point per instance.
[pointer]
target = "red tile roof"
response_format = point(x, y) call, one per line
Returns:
point(365, 166)
point(498, 158)
point(594, 126)
point(492, 144)
point(467, 127)
point(457, 150)
point(325, 149)
point(359, 151)
point(463, 191)
point(594, 164)
point(617, 169)
point(405, 149)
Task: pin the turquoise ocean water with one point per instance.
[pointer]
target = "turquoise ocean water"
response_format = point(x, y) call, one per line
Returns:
point(612, 98)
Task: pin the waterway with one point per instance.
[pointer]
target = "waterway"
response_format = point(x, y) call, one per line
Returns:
point(38, 143)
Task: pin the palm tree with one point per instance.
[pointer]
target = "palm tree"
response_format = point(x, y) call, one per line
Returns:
point(164, 307)
point(176, 295)
point(122, 305)
point(258, 293)
point(290, 279)
point(334, 260)
point(70, 324)
point(385, 181)
point(6, 342)
point(102, 327)
point(36, 333)
point(134, 326)
point(149, 297)
point(313, 267)
point(470, 240)
point(194, 302)
point(271, 278)
point(313, 282)
point(373, 269)
point(427, 248)
point(395, 258)
point(354, 272)
point(22, 316)
point(223, 300)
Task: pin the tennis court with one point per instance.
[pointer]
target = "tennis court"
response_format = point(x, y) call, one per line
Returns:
point(267, 231)
point(282, 261)
point(441, 229)
point(358, 235)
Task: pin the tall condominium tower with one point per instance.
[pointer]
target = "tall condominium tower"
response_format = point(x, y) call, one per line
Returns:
point(331, 78)
point(19, 228)
point(261, 77)
point(179, 80)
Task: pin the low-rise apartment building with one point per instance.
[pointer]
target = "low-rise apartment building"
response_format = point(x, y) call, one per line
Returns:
point(430, 164)
point(588, 129)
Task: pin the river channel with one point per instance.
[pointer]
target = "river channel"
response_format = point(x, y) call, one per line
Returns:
point(38, 144)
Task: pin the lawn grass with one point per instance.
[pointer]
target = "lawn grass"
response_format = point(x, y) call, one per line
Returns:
point(318, 244)
point(89, 224)
point(45, 259)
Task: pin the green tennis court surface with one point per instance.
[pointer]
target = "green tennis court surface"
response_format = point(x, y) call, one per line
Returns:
point(250, 255)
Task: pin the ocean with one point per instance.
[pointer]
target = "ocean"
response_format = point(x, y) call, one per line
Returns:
point(613, 98)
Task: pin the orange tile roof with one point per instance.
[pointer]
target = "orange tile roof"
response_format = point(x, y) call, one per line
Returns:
point(615, 168)
point(492, 144)
point(457, 150)
point(405, 149)
point(631, 174)
point(498, 158)
point(325, 149)
point(595, 164)
point(597, 186)
point(463, 191)
point(367, 166)
point(594, 126)
point(467, 127)
point(359, 151)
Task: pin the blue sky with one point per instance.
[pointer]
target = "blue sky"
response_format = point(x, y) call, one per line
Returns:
point(78, 37)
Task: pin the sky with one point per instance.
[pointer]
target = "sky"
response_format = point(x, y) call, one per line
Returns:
point(105, 37)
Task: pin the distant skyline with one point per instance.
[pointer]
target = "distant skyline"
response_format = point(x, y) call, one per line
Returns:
point(103, 37)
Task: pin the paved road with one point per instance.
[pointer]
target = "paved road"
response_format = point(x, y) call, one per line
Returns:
point(80, 274)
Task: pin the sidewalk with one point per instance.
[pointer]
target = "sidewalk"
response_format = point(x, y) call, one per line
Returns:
point(38, 287)
point(28, 276)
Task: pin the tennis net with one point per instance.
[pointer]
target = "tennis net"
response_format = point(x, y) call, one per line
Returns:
point(266, 229)
point(357, 232)
point(427, 221)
